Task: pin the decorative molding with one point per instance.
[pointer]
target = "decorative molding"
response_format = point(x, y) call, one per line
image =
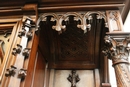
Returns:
point(73, 78)
point(78, 16)
point(117, 48)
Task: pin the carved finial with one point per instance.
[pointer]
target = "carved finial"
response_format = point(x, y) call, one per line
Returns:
point(73, 78)
point(17, 50)
point(22, 74)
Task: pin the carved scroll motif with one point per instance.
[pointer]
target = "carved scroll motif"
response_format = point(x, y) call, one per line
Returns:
point(82, 17)
point(73, 78)
point(117, 49)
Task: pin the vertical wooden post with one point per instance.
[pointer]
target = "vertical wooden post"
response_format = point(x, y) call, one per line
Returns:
point(117, 47)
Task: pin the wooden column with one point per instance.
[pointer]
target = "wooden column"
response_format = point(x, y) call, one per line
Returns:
point(117, 47)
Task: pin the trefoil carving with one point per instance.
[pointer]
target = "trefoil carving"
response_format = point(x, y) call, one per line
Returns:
point(84, 18)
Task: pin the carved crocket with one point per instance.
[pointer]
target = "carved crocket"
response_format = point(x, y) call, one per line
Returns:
point(73, 78)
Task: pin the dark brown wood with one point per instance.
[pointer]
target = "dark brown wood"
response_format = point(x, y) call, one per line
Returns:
point(72, 48)
point(14, 8)
point(57, 2)
point(67, 50)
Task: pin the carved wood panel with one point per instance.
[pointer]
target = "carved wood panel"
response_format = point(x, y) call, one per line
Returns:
point(74, 47)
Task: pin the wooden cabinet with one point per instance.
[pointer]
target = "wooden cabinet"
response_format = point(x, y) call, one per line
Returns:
point(73, 48)
point(45, 37)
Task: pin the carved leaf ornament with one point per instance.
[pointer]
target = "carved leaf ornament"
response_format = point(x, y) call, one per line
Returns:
point(117, 50)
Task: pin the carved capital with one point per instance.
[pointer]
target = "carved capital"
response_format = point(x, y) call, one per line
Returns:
point(117, 48)
point(22, 74)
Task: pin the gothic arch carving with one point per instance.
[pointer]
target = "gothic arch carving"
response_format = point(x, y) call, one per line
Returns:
point(78, 16)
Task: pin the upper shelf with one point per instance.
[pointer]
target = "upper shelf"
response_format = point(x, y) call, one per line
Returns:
point(58, 2)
